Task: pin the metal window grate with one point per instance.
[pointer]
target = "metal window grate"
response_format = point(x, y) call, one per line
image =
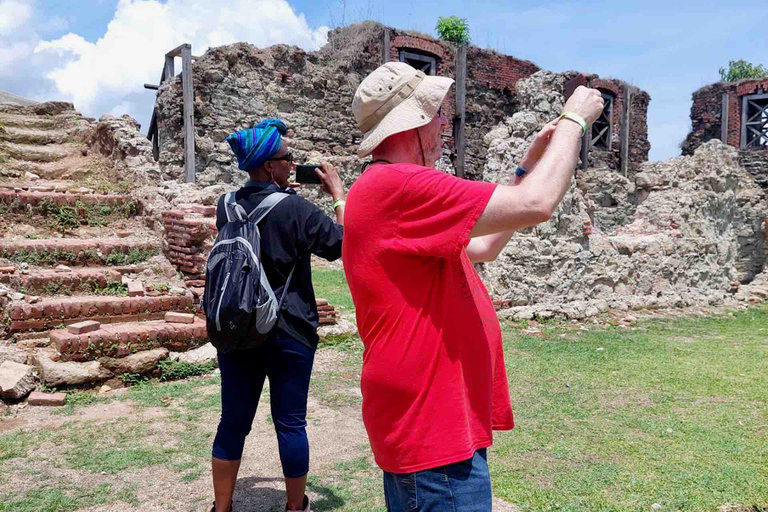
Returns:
point(754, 121)
point(602, 128)
point(425, 63)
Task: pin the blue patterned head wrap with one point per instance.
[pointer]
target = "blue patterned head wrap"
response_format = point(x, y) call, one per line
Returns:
point(256, 145)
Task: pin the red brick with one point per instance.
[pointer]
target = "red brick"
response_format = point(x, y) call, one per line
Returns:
point(179, 318)
point(47, 399)
point(84, 327)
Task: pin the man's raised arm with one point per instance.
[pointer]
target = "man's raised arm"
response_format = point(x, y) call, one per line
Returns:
point(537, 197)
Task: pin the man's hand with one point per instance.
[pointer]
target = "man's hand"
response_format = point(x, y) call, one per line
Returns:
point(538, 146)
point(588, 103)
point(332, 184)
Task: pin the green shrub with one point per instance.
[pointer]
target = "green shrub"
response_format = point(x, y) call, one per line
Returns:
point(176, 370)
point(453, 29)
point(741, 70)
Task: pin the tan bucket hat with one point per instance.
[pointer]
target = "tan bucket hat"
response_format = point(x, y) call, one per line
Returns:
point(396, 98)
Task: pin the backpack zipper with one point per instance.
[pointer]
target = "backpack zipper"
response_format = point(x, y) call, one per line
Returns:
point(221, 298)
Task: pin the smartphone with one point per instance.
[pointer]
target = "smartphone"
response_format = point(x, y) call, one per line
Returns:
point(306, 174)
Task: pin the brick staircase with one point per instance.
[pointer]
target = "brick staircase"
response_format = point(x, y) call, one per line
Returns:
point(69, 253)
point(80, 270)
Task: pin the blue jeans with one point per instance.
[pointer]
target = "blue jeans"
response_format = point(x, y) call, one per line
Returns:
point(461, 487)
point(288, 365)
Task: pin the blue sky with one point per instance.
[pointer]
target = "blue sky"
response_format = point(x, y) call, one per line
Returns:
point(668, 49)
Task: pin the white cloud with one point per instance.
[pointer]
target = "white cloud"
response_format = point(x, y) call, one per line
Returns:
point(132, 50)
point(13, 15)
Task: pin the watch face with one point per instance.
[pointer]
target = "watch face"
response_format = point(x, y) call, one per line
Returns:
point(520, 172)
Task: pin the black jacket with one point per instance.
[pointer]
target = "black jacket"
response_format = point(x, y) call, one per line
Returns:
point(292, 231)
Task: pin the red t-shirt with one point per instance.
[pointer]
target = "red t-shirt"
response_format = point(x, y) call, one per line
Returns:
point(433, 381)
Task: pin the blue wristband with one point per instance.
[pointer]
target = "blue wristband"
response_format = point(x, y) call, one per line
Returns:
point(520, 172)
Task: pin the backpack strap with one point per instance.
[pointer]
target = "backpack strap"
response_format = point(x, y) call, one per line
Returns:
point(232, 209)
point(265, 206)
point(257, 215)
point(285, 290)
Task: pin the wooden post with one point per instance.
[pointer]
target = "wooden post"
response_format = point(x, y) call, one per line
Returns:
point(586, 140)
point(385, 47)
point(459, 117)
point(168, 71)
point(625, 113)
point(724, 119)
point(189, 113)
point(585, 144)
point(744, 110)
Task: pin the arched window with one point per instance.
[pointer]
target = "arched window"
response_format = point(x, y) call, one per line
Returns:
point(602, 129)
point(420, 61)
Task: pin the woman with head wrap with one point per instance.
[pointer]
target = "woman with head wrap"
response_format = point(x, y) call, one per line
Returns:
point(293, 231)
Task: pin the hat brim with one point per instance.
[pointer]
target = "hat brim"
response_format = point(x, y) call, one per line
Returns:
point(415, 111)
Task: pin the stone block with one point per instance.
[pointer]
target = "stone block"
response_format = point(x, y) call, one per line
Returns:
point(47, 399)
point(16, 380)
point(179, 318)
point(135, 289)
point(84, 327)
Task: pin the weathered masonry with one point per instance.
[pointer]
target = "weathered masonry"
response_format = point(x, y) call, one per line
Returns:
point(737, 114)
point(238, 85)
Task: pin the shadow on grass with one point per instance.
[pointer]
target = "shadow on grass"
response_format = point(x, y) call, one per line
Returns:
point(251, 494)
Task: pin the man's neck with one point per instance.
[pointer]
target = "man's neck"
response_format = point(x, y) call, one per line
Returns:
point(395, 157)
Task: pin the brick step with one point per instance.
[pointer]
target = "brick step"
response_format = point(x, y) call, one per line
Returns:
point(27, 121)
point(41, 200)
point(53, 282)
point(78, 251)
point(52, 313)
point(123, 339)
point(34, 136)
point(37, 153)
point(71, 168)
point(30, 184)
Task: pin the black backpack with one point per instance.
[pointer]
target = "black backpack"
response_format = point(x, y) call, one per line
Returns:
point(240, 306)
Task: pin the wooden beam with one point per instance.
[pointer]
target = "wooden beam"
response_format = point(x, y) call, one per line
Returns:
point(625, 113)
point(385, 46)
point(151, 86)
point(189, 113)
point(459, 118)
point(724, 119)
point(152, 124)
point(585, 145)
point(179, 50)
point(168, 71)
point(744, 104)
point(587, 137)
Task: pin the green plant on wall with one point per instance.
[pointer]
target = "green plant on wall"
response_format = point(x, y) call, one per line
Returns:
point(740, 70)
point(453, 29)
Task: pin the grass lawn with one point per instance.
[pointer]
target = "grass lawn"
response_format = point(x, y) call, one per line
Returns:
point(332, 285)
point(674, 413)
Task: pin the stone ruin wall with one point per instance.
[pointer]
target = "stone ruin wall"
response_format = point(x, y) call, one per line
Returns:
point(689, 230)
point(706, 123)
point(238, 85)
point(615, 241)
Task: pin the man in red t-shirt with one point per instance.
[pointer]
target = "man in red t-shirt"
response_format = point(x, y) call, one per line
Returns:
point(433, 381)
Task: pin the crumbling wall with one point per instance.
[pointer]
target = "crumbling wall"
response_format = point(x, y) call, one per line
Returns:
point(130, 153)
point(491, 90)
point(237, 86)
point(707, 119)
point(687, 230)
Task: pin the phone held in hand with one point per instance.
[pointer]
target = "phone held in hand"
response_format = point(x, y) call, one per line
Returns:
point(305, 174)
